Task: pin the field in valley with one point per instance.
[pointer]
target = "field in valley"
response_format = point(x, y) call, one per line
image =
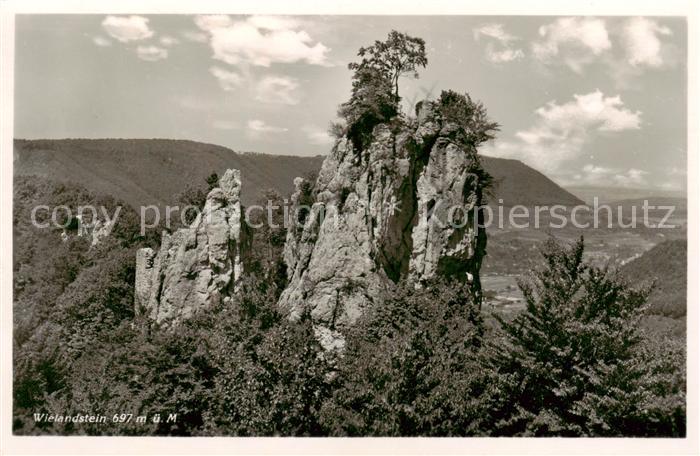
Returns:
point(512, 253)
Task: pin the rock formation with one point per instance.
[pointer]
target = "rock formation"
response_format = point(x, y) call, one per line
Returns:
point(380, 215)
point(405, 207)
point(96, 230)
point(197, 265)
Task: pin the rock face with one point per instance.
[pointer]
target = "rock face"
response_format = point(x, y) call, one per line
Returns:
point(197, 265)
point(381, 215)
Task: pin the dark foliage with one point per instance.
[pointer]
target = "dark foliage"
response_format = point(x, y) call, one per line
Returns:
point(267, 234)
point(575, 362)
point(411, 367)
point(67, 293)
point(472, 126)
point(307, 198)
point(370, 104)
point(190, 202)
point(212, 181)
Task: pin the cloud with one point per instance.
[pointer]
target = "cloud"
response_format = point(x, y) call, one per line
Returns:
point(258, 128)
point(272, 23)
point(101, 41)
point(127, 28)
point(597, 176)
point(631, 178)
point(677, 179)
point(495, 31)
point(151, 53)
point(676, 171)
point(574, 41)
point(211, 22)
point(317, 136)
point(624, 48)
point(194, 36)
point(503, 55)
point(277, 89)
point(270, 89)
point(593, 109)
point(225, 125)
point(167, 40)
point(640, 37)
point(561, 131)
point(673, 186)
point(499, 48)
point(228, 80)
point(260, 41)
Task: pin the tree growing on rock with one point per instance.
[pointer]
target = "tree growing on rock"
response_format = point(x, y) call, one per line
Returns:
point(212, 181)
point(398, 56)
point(473, 126)
point(375, 83)
point(194, 196)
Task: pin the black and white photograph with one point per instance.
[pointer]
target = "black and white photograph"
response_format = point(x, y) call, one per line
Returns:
point(234, 223)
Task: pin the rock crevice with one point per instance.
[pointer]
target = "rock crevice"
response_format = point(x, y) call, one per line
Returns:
point(382, 215)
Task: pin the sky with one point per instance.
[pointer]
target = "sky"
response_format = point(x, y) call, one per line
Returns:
point(589, 101)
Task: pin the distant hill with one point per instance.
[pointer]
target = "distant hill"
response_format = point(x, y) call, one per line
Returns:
point(666, 263)
point(154, 171)
point(517, 183)
point(679, 205)
point(609, 194)
point(669, 210)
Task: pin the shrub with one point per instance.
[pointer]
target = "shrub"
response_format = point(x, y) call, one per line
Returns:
point(470, 118)
point(410, 367)
point(574, 363)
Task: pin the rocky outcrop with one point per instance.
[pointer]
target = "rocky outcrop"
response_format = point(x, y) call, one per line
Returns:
point(195, 266)
point(381, 215)
point(96, 230)
point(144, 280)
point(446, 241)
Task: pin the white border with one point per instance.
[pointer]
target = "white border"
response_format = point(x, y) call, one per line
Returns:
point(219, 445)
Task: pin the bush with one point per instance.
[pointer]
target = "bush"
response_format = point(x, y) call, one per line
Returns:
point(470, 118)
point(410, 367)
point(574, 363)
point(370, 104)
